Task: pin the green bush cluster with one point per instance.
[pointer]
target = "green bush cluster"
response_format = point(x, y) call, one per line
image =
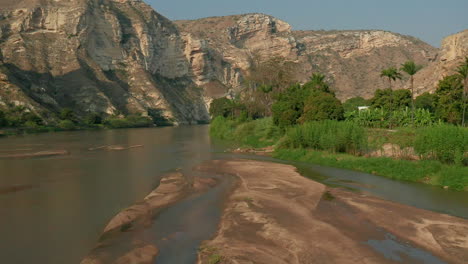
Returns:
point(312, 101)
point(253, 133)
point(128, 122)
point(22, 120)
point(382, 118)
point(446, 143)
point(429, 171)
point(19, 116)
point(333, 136)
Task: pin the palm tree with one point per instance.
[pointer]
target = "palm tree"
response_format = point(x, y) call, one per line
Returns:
point(411, 69)
point(317, 77)
point(392, 74)
point(462, 71)
point(318, 83)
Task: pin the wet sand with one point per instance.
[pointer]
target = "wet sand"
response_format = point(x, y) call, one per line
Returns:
point(274, 215)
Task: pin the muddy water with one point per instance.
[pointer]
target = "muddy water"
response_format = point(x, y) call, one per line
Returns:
point(53, 209)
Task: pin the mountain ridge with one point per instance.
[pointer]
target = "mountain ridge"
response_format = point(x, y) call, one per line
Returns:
point(121, 57)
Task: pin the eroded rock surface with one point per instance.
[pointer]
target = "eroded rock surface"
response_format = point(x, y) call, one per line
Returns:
point(227, 46)
point(121, 57)
point(100, 56)
point(124, 239)
point(275, 215)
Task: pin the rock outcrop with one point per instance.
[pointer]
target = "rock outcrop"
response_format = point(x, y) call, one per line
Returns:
point(103, 56)
point(453, 52)
point(352, 59)
point(121, 57)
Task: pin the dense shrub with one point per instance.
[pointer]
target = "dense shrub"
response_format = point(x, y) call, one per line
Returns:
point(66, 125)
point(322, 106)
point(67, 114)
point(391, 100)
point(426, 101)
point(221, 107)
point(446, 143)
point(333, 136)
point(3, 120)
point(289, 105)
point(128, 122)
point(255, 133)
point(352, 104)
point(92, 119)
point(449, 104)
point(222, 128)
point(301, 103)
point(228, 108)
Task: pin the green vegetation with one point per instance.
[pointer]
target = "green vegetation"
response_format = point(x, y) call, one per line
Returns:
point(392, 74)
point(307, 123)
point(449, 100)
point(331, 136)
point(128, 122)
point(254, 133)
point(425, 171)
point(352, 104)
point(462, 71)
point(212, 253)
point(382, 118)
point(411, 69)
point(214, 259)
point(445, 143)
point(19, 119)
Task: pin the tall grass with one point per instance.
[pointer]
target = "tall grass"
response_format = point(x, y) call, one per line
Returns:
point(332, 136)
point(222, 128)
point(427, 171)
point(381, 118)
point(254, 133)
point(446, 143)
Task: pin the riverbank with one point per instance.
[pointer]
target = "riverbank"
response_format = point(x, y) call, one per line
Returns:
point(389, 153)
point(124, 239)
point(274, 215)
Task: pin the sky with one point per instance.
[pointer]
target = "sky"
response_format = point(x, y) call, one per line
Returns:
point(429, 20)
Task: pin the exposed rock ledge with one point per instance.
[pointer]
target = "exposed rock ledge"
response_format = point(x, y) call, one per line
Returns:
point(121, 241)
point(275, 215)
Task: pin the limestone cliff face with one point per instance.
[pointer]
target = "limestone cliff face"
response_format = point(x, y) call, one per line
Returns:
point(452, 53)
point(109, 56)
point(120, 56)
point(352, 59)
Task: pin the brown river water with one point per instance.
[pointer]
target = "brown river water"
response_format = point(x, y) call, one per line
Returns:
point(53, 209)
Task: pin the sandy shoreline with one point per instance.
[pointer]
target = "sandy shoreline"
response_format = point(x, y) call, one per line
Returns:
point(275, 215)
point(121, 241)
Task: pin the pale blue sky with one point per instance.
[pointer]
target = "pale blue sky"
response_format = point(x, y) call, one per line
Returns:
point(429, 20)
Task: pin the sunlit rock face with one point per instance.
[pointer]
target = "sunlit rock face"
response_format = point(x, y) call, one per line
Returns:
point(452, 53)
point(352, 59)
point(121, 57)
point(108, 56)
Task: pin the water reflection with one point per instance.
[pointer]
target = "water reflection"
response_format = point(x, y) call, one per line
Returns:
point(60, 219)
point(71, 198)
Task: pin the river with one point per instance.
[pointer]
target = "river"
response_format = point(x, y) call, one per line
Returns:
point(54, 209)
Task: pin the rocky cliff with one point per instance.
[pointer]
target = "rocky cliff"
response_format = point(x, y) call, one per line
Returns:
point(452, 53)
point(109, 56)
point(352, 59)
point(121, 57)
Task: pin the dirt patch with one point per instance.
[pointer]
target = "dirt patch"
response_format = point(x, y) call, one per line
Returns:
point(274, 215)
